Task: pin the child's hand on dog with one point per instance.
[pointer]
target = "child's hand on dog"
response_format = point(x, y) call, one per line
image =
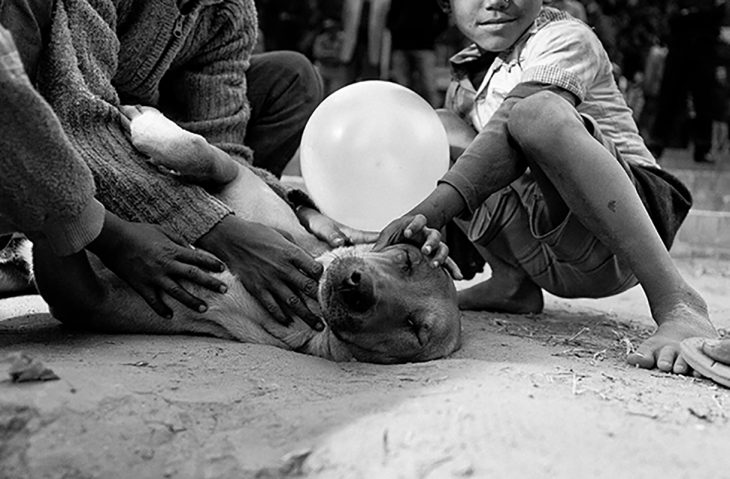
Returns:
point(413, 229)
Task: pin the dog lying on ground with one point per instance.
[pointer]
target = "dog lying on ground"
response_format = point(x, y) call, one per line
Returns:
point(385, 307)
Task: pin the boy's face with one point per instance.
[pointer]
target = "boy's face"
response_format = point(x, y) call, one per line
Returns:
point(494, 25)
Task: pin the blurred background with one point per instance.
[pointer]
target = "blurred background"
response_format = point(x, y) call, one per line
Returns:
point(670, 57)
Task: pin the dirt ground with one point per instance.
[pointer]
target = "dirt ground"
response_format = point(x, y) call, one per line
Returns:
point(546, 395)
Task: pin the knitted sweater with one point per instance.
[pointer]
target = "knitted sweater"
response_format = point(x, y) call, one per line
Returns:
point(190, 63)
point(46, 190)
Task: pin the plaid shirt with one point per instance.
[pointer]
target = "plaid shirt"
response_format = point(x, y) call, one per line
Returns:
point(557, 50)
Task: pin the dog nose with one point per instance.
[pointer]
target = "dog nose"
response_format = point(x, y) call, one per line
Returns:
point(353, 280)
point(357, 291)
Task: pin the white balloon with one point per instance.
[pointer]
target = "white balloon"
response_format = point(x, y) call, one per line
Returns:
point(370, 152)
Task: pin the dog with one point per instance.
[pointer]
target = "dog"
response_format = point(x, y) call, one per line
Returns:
point(16, 275)
point(388, 306)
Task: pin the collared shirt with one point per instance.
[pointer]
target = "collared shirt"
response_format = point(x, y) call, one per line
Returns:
point(558, 50)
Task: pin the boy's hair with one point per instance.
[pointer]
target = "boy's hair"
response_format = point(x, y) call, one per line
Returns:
point(445, 5)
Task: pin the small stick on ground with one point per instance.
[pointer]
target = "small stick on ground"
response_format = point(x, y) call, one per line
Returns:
point(572, 338)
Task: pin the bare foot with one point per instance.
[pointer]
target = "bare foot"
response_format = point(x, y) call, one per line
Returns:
point(503, 295)
point(178, 151)
point(684, 317)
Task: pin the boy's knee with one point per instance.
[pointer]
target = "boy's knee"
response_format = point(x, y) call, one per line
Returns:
point(296, 72)
point(538, 118)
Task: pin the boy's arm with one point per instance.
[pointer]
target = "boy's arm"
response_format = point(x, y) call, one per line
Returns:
point(490, 162)
point(39, 165)
point(48, 194)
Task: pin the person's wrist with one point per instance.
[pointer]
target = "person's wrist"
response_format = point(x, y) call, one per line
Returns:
point(214, 240)
point(441, 206)
point(109, 237)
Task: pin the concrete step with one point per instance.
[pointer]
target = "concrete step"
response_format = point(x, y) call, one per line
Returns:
point(708, 182)
point(710, 189)
point(706, 231)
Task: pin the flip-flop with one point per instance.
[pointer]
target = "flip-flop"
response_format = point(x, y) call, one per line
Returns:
point(692, 353)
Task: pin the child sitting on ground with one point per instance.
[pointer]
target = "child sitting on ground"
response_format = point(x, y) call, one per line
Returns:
point(552, 182)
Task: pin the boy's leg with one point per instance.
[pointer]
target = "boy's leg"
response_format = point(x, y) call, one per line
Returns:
point(284, 89)
point(509, 289)
point(594, 186)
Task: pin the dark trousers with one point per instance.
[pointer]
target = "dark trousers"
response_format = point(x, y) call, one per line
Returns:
point(689, 69)
point(284, 88)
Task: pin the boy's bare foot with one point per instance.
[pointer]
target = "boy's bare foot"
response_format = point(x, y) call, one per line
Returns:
point(177, 150)
point(682, 318)
point(504, 295)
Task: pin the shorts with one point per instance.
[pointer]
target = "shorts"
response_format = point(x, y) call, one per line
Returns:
point(568, 260)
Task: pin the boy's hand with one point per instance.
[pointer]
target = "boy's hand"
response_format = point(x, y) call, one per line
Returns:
point(154, 261)
point(330, 231)
point(276, 271)
point(413, 229)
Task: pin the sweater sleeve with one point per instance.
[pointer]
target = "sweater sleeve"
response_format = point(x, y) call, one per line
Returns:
point(207, 94)
point(46, 190)
point(472, 174)
point(75, 77)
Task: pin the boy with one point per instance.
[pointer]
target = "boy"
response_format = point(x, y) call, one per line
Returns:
point(553, 177)
point(47, 192)
point(194, 61)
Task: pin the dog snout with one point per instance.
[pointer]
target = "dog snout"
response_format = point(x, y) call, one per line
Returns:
point(356, 290)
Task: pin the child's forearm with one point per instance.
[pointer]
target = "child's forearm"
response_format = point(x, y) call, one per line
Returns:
point(491, 162)
point(441, 206)
point(488, 164)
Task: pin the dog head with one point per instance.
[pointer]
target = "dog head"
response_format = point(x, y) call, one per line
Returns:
point(390, 306)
